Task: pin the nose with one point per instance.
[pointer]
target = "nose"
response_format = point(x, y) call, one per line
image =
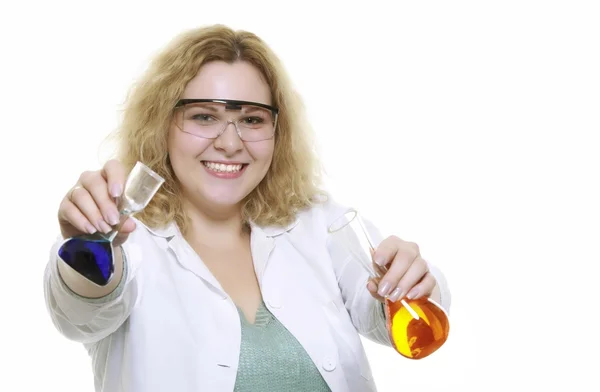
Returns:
point(229, 140)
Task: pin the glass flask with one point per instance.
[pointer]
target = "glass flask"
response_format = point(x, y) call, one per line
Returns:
point(417, 327)
point(92, 255)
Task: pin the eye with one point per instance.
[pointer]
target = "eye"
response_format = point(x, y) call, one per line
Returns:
point(252, 121)
point(203, 118)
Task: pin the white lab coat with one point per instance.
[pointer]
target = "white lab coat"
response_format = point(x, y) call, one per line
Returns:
point(173, 328)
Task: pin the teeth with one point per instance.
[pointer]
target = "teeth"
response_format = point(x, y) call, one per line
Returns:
point(223, 168)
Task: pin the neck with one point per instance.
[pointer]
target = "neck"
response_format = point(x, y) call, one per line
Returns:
point(214, 227)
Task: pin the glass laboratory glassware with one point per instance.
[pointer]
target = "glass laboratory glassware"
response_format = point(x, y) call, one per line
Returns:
point(417, 328)
point(92, 255)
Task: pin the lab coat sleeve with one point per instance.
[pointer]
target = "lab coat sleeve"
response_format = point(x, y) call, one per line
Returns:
point(88, 320)
point(349, 259)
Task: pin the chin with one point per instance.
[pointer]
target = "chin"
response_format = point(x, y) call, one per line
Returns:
point(223, 199)
point(228, 194)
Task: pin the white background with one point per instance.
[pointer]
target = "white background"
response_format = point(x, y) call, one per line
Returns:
point(469, 127)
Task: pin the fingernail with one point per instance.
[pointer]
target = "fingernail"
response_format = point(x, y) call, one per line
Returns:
point(412, 293)
point(396, 294)
point(372, 287)
point(90, 229)
point(380, 260)
point(113, 217)
point(104, 227)
point(115, 190)
point(384, 288)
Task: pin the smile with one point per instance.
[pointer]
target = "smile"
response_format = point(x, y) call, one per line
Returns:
point(223, 168)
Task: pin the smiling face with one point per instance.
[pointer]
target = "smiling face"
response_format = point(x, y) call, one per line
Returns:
point(219, 173)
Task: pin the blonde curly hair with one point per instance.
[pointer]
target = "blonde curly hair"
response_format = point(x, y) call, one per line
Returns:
point(292, 182)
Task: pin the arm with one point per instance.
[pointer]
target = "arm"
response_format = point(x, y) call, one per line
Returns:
point(365, 311)
point(349, 261)
point(83, 311)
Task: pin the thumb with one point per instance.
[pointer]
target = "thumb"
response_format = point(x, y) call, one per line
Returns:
point(372, 287)
point(127, 227)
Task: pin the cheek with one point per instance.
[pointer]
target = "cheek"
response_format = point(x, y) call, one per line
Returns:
point(262, 152)
point(183, 147)
point(183, 154)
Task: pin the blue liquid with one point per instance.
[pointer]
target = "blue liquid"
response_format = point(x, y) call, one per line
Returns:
point(91, 257)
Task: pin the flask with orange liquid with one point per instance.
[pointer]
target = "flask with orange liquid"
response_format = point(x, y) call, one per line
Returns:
point(417, 328)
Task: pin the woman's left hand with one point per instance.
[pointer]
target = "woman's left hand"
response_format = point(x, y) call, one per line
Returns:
point(407, 273)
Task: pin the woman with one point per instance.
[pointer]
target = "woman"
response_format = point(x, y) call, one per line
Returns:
point(225, 282)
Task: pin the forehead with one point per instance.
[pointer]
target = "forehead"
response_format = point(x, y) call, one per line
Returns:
point(219, 80)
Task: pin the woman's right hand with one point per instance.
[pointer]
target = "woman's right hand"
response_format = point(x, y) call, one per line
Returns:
point(90, 206)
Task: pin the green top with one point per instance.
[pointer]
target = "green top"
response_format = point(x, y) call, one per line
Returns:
point(271, 359)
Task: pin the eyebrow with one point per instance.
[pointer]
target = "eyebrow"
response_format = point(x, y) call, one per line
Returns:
point(209, 105)
point(252, 109)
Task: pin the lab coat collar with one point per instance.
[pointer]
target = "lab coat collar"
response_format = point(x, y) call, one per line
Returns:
point(171, 229)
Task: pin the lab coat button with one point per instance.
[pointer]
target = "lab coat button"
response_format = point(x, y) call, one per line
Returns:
point(328, 364)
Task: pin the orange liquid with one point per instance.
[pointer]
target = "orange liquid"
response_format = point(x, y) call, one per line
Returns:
point(416, 337)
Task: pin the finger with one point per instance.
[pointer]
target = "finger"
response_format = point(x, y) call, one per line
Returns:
point(417, 270)
point(423, 288)
point(379, 270)
point(403, 257)
point(128, 226)
point(372, 287)
point(113, 173)
point(70, 214)
point(386, 251)
point(97, 187)
point(84, 202)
